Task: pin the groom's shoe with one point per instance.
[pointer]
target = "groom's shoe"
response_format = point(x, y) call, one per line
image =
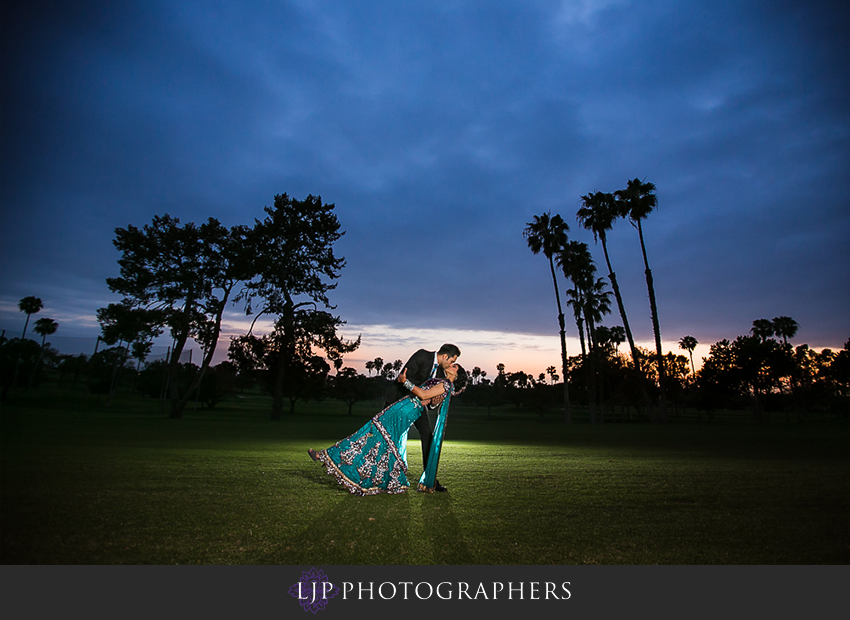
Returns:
point(439, 487)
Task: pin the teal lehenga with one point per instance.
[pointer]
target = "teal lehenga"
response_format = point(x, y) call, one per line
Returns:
point(374, 458)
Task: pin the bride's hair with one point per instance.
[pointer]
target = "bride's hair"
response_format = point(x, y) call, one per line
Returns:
point(460, 381)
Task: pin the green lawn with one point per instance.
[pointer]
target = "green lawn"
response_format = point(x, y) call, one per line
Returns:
point(86, 484)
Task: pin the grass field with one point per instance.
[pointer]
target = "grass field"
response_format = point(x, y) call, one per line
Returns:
point(86, 484)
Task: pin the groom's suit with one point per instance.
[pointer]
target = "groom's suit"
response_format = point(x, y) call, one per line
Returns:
point(419, 368)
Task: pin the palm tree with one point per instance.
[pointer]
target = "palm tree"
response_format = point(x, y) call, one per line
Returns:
point(575, 261)
point(597, 303)
point(597, 214)
point(548, 233)
point(638, 201)
point(762, 329)
point(617, 335)
point(396, 366)
point(785, 327)
point(689, 343)
point(45, 327)
point(30, 305)
point(575, 300)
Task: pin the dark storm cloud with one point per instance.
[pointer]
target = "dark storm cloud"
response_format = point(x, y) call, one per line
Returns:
point(443, 129)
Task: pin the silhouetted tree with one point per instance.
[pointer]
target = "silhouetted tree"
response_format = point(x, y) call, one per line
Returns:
point(689, 343)
point(762, 329)
point(29, 305)
point(785, 327)
point(45, 327)
point(638, 201)
point(218, 383)
point(597, 214)
point(548, 234)
point(178, 277)
point(351, 388)
point(578, 267)
point(293, 266)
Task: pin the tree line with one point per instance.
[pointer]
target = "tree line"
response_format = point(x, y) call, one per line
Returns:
point(181, 278)
point(755, 366)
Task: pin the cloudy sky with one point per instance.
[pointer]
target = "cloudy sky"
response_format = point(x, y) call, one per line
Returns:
point(439, 129)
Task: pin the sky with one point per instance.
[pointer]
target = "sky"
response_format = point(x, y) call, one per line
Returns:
point(439, 130)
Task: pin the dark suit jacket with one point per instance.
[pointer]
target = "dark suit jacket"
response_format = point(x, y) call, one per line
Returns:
point(418, 371)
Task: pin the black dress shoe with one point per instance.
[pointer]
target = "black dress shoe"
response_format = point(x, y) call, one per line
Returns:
point(439, 488)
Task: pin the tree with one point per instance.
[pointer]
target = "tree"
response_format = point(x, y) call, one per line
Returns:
point(397, 366)
point(219, 382)
point(178, 277)
point(785, 327)
point(638, 201)
point(350, 387)
point(548, 233)
point(597, 214)
point(19, 357)
point(762, 329)
point(596, 303)
point(750, 367)
point(29, 305)
point(577, 264)
point(689, 343)
point(45, 327)
point(293, 266)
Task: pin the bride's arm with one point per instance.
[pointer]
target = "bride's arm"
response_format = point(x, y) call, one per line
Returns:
point(423, 395)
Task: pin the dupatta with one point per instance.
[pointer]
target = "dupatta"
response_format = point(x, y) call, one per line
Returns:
point(429, 476)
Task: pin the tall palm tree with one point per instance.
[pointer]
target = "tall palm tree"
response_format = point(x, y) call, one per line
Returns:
point(785, 327)
point(30, 305)
point(548, 234)
point(597, 214)
point(689, 343)
point(638, 200)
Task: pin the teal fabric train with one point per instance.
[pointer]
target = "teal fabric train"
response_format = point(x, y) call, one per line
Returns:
point(373, 459)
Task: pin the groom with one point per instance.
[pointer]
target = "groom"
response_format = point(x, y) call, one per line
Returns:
point(422, 366)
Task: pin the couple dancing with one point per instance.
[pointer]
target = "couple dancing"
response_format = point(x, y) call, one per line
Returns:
point(374, 458)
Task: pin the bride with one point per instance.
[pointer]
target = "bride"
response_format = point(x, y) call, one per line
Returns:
point(374, 458)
